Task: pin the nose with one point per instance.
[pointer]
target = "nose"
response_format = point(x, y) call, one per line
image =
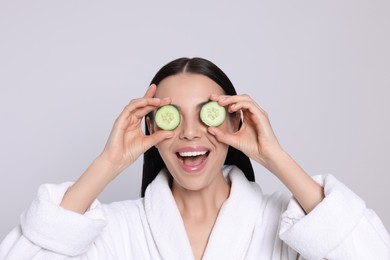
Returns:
point(190, 129)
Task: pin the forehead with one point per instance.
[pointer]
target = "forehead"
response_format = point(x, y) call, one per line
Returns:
point(185, 87)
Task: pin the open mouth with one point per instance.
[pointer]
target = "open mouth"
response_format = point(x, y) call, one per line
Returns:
point(192, 159)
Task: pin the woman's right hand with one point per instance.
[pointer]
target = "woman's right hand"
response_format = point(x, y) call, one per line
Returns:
point(125, 144)
point(127, 141)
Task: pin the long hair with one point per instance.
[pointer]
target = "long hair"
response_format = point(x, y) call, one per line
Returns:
point(153, 162)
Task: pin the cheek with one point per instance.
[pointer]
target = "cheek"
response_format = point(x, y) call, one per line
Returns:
point(228, 125)
point(217, 145)
point(165, 147)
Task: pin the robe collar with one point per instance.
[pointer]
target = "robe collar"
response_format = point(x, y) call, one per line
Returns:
point(232, 231)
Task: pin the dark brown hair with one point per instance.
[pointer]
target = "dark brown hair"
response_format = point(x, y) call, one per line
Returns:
point(153, 162)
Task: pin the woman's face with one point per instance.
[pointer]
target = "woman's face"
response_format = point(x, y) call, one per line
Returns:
point(203, 168)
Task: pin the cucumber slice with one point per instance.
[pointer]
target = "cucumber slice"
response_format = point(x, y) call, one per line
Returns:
point(212, 114)
point(167, 117)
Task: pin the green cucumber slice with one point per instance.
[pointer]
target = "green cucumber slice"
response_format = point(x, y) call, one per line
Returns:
point(212, 114)
point(167, 117)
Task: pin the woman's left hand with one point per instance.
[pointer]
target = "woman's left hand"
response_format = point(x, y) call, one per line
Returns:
point(255, 138)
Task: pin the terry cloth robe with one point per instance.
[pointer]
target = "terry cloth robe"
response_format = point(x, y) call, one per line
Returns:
point(250, 225)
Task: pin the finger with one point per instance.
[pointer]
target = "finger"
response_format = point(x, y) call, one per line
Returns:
point(157, 137)
point(221, 99)
point(248, 106)
point(150, 91)
point(142, 103)
point(230, 102)
point(127, 115)
point(216, 97)
point(245, 105)
point(225, 100)
point(223, 137)
point(143, 111)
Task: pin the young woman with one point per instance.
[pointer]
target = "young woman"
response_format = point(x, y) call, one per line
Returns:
point(199, 199)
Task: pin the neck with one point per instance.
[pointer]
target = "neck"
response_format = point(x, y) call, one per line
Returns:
point(204, 203)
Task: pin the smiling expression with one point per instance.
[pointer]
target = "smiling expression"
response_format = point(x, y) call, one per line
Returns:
point(193, 156)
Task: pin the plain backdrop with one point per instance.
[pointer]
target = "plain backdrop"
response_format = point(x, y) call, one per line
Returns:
point(321, 69)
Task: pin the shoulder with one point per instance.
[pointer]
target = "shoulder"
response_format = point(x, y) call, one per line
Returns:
point(126, 208)
point(123, 218)
point(270, 206)
point(242, 186)
point(275, 204)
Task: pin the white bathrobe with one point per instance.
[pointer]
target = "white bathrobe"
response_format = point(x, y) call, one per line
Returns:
point(250, 225)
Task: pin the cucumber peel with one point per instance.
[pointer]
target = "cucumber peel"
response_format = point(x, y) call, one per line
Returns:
point(167, 117)
point(212, 113)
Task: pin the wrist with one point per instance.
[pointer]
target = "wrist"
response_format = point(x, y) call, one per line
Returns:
point(304, 189)
point(86, 189)
point(105, 165)
point(275, 159)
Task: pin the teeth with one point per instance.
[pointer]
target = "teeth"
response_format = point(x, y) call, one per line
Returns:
point(186, 154)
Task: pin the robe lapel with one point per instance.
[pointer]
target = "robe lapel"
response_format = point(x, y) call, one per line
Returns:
point(165, 221)
point(232, 232)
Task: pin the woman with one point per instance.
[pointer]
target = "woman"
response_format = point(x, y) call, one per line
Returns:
point(199, 199)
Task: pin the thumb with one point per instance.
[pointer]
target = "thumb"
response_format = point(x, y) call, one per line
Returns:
point(157, 137)
point(223, 137)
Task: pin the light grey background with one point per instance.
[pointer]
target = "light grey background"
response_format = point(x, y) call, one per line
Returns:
point(321, 69)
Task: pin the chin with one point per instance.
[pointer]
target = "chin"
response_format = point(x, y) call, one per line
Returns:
point(196, 182)
point(190, 186)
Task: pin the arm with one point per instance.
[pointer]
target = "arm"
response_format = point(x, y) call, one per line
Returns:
point(125, 144)
point(305, 190)
point(257, 140)
point(340, 227)
point(66, 219)
point(86, 189)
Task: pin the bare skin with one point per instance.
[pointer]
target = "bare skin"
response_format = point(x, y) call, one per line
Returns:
point(125, 144)
point(199, 207)
point(199, 214)
point(257, 140)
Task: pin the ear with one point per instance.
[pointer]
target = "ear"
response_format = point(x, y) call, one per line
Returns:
point(236, 121)
point(149, 125)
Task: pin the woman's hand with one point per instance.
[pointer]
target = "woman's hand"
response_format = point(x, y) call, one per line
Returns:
point(255, 138)
point(127, 140)
point(125, 144)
